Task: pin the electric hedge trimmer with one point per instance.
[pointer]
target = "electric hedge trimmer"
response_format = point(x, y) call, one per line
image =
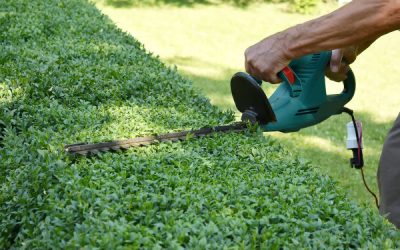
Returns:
point(300, 101)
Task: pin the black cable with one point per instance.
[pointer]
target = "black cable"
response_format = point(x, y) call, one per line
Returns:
point(369, 190)
point(351, 113)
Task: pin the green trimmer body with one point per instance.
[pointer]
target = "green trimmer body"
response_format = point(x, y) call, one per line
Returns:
point(300, 101)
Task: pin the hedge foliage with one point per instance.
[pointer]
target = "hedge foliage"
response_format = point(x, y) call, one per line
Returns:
point(67, 74)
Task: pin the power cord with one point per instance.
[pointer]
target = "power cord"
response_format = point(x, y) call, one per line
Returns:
point(358, 161)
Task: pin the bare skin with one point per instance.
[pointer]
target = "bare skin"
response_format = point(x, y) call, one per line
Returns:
point(341, 60)
point(351, 29)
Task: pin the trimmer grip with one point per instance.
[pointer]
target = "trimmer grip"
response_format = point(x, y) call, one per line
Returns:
point(339, 100)
point(349, 86)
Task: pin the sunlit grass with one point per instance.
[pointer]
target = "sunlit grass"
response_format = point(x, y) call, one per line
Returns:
point(206, 43)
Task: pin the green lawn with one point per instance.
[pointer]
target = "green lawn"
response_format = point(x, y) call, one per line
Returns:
point(206, 43)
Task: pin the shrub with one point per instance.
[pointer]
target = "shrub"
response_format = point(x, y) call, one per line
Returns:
point(303, 6)
point(67, 74)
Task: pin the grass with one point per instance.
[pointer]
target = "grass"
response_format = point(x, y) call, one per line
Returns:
point(179, 3)
point(206, 43)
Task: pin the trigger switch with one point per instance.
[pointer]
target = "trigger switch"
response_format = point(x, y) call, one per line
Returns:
point(289, 74)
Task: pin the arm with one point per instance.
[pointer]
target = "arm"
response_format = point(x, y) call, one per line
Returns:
point(359, 22)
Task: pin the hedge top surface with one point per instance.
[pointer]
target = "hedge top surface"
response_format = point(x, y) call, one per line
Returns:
point(67, 74)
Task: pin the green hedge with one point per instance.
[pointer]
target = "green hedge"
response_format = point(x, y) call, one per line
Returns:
point(67, 74)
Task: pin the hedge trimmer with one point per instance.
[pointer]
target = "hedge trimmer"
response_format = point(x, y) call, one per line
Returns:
point(299, 102)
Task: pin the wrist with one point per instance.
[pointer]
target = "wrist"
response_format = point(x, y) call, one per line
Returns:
point(292, 43)
point(284, 40)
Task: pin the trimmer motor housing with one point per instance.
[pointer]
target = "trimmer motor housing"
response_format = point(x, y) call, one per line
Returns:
point(300, 101)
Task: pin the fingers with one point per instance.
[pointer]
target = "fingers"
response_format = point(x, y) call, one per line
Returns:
point(350, 54)
point(275, 79)
point(266, 75)
point(336, 60)
point(265, 59)
point(340, 75)
point(263, 72)
point(340, 61)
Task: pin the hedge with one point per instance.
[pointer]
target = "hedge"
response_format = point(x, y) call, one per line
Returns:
point(67, 74)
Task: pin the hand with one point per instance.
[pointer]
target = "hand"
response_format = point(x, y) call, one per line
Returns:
point(342, 58)
point(265, 59)
point(340, 61)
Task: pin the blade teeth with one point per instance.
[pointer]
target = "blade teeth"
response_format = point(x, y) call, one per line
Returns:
point(86, 149)
point(145, 143)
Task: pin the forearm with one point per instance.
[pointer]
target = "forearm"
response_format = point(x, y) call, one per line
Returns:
point(361, 21)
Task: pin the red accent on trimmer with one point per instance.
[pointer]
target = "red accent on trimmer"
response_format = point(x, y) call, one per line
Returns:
point(289, 74)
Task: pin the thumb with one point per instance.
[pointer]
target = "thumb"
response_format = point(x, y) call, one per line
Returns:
point(336, 60)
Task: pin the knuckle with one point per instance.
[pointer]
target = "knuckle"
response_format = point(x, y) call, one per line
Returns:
point(275, 80)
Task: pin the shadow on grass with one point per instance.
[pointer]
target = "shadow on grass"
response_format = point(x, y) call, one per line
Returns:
point(178, 3)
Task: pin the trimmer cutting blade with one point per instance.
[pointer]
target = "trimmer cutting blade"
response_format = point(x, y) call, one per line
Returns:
point(251, 100)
